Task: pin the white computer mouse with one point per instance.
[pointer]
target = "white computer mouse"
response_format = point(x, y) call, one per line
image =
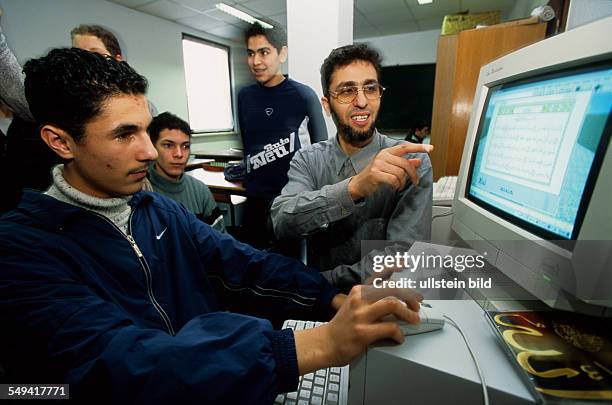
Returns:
point(431, 319)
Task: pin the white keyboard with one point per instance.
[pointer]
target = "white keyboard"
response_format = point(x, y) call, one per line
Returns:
point(327, 386)
point(444, 190)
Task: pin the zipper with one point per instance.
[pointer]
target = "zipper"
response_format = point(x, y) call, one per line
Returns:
point(145, 268)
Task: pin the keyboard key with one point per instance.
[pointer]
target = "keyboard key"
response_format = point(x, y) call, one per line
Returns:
point(321, 373)
point(308, 376)
point(292, 395)
point(320, 381)
point(279, 399)
point(302, 402)
point(318, 390)
point(335, 370)
point(307, 384)
point(333, 387)
point(334, 378)
point(332, 398)
point(305, 394)
point(316, 400)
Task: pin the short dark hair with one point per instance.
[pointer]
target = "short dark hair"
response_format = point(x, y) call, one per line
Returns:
point(346, 55)
point(167, 120)
point(276, 36)
point(106, 36)
point(419, 124)
point(68, 86)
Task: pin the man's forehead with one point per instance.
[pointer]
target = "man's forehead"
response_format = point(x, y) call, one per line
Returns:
point(91, 41)
point(259, 42)
point(174, 135)
point(124, 109)
point(356, 72)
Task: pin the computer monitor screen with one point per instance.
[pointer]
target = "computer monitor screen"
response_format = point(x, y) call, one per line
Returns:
point(539, 147)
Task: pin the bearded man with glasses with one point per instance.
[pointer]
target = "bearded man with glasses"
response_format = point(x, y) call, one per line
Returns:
point(359, 185)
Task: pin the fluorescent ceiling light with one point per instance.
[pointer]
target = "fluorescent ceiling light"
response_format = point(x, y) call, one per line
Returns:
point(241, 15)
point(421, 2)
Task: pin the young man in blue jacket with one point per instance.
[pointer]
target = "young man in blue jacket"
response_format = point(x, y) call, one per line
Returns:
point(123, 294)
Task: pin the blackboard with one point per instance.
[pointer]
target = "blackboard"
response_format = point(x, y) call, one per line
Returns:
point(408, 97)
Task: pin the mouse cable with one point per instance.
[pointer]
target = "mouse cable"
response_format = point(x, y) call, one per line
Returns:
point(485, 395)
point(444, 214)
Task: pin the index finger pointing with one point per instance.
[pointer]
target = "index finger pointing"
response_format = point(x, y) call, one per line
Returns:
point(407, 147)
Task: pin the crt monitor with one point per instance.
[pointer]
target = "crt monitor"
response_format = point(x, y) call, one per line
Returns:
point(534, 189)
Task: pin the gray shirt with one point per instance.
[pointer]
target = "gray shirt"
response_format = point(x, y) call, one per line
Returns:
point(192, 193)
point(11, 82)
point(316, 204)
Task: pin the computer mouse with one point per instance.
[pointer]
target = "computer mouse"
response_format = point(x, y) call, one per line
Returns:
point(431, 319)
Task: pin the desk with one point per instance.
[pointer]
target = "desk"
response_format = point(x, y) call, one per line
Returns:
point(221, 155)
point(197, 163)
point(219, 187)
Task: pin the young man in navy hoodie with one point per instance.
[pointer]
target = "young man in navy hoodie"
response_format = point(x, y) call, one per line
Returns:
point(124, 294)
point(277, 116)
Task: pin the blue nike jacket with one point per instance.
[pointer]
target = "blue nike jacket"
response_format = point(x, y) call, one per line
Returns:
point(140, 318)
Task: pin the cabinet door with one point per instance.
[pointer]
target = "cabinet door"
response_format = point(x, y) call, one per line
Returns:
point(443, 101)
point(474, 48)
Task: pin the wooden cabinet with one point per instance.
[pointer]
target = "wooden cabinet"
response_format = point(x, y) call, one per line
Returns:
point(459, 60)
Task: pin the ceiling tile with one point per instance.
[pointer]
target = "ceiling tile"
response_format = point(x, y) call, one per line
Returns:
point(435, 9)
point(365, 32)
point(131, 3)
point(166, 9)
point(430, 24)
point(359, 18)
point(478, 6)
point(201, 22)
point(389, 17)
point(202, 5)
point(279, 18)
point(228, 31)
point(400, 28)
point(220, 15)
point(265, 7)
point(369, 6)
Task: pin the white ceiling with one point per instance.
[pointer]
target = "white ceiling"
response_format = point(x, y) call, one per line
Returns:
point(372, 18)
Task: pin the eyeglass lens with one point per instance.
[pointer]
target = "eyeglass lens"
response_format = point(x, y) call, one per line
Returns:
point(349, 94)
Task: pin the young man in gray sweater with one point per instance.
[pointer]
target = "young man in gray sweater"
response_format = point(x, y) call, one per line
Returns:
point(171, 136)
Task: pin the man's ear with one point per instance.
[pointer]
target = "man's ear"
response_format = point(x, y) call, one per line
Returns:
point(284, 53)
point(325, 103)
point(118, 57)
point(58, 140)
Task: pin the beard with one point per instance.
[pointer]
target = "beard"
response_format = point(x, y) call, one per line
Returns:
point(349, 134)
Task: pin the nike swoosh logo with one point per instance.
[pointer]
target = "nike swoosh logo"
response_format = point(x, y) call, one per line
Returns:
point(161, 234)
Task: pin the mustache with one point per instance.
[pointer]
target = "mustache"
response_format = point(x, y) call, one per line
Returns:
point(138, 170)
point(359, 110)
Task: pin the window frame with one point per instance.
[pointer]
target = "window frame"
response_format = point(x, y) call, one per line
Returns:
point(228, 49)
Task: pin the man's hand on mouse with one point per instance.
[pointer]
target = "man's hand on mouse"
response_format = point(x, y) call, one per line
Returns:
point(355, 326)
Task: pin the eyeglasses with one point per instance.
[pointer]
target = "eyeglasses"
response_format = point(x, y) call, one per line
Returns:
point(348, 94)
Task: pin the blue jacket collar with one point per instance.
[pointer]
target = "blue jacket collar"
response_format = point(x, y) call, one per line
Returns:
point(54, 213)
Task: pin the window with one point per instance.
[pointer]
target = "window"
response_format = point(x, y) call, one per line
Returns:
point(208, 82)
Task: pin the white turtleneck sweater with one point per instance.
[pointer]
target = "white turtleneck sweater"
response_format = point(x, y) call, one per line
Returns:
point(115, 209)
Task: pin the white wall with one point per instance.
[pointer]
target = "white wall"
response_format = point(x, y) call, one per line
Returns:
point(308, 48)
point(406, 49)
point(585, 11)
point(150, 44)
